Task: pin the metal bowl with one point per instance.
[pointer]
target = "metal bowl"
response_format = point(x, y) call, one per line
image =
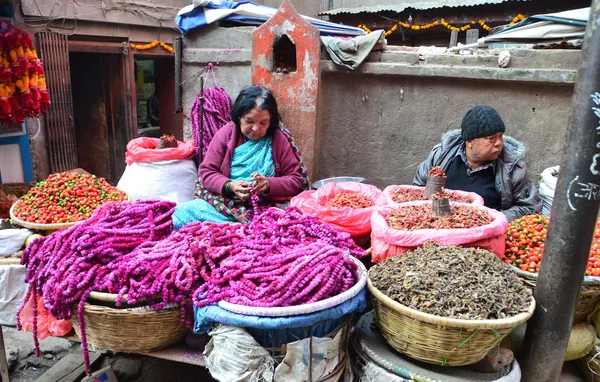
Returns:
point(337, 179)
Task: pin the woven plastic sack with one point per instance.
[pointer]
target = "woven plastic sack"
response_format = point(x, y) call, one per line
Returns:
point(144, 150)
point(172, 180)
point(47, 325)
point(387, 242)
point(390, 191)
point(356, 222)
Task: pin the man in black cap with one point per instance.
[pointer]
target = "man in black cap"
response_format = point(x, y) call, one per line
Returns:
point(479, 158)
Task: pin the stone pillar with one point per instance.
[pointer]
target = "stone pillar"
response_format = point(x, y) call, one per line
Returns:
point(286, 59)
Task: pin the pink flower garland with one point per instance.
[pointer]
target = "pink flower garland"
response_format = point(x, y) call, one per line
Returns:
point(216, 113)
point(69, 264)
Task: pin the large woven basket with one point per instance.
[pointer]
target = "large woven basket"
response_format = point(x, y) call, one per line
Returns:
point(439, 340)
point(128, 330)
point(590, 365)
point(589, 294)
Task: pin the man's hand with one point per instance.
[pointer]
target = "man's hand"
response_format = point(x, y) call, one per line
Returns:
point(240, 189)
point(261, 184)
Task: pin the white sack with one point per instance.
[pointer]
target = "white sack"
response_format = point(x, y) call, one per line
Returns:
point(172, 180)
point(11, 240)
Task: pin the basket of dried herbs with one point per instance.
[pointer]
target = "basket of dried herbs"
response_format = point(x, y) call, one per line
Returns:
point(447, 305)
point(590, 365)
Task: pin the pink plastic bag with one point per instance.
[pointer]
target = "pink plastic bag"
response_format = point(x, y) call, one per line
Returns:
point(144, 150)
point(47, 325)
point(356, 222)
point(387, 242)
point(389, 192)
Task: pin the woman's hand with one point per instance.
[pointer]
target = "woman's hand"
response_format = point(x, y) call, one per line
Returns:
point(261, 184)
point(240, 189)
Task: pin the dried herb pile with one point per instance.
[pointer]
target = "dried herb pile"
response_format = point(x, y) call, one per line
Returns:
point(420, 217)
point(452, 282)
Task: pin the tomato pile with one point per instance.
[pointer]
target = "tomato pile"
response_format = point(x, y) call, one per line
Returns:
point(420, 217)
point(525, 240)
point(350, 199)
point(65, 198)
point(436, 171)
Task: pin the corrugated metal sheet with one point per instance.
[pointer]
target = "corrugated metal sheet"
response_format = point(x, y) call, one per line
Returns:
point(60, 129)
point(401, 5)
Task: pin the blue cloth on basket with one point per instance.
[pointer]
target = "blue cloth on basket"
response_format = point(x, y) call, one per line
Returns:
point(273, 331)
point(248, 158)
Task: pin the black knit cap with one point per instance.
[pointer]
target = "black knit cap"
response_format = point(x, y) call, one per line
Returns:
point(481, 121)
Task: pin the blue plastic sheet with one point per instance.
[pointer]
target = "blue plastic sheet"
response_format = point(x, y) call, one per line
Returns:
point(274, 331)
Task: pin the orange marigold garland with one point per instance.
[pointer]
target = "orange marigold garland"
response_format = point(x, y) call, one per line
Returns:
point(23, 90)
point(442, 22)
point(152, 45)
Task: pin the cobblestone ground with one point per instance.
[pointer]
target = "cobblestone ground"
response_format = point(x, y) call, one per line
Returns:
point(26, 367)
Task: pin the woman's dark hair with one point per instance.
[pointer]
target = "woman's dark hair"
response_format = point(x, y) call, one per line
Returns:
point(255, 97)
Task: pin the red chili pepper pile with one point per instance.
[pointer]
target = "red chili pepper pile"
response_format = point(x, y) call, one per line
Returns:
point(350, 199)
point(166, 141)
point(65, 198)
point(436, 171)
point(409, 195)
point(525, 240)
point(419, 217)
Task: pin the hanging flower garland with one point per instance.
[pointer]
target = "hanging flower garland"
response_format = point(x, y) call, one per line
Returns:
point(152, 45)
point(442, 22)
point(23, 92)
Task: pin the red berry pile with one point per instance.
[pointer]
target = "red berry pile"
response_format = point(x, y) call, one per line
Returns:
point(65, 198)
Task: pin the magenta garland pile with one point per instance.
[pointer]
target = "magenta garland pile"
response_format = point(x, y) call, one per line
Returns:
point(280, 259)
point(216, 113)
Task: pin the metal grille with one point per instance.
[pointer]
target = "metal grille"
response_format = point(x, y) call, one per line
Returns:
point(60, 128)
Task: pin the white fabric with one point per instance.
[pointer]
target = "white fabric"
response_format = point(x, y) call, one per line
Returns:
point(232, 355)
point(550, 177)
point(11, 240)
point(547, 187)
point(12, 292)
point(325, 358)
point(172, 180)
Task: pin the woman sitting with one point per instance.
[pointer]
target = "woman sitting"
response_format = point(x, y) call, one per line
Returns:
point(252, 149)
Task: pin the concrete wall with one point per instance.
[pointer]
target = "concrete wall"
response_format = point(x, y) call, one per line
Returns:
point(229, 49)
point(381, 120)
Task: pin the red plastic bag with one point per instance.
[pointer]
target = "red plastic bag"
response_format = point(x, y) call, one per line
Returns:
point(356, 222)
point(144, 150)
point(47, 325)
point(387, 242)
point(390, 191)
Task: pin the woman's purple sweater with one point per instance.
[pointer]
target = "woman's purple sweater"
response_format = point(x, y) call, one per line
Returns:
point(215, 168)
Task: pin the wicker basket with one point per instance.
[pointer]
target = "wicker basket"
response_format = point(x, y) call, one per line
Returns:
point(438, 340)
point(129, 330)
point(590, 365)
point(589, 295)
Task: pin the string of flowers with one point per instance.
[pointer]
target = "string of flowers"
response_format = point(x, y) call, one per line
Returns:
point(152, 45)
point(443, 23)
point(23, 90)
point(216, 113)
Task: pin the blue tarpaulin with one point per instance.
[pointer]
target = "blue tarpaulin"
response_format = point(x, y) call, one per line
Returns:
point(204, 12)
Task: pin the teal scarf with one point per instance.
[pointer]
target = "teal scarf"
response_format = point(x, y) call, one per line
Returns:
point(251, 157)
